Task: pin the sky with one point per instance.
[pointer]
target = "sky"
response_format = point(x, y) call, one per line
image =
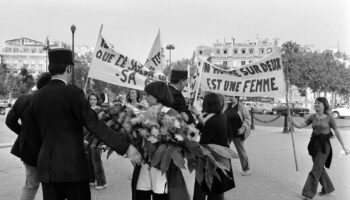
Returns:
point(131, 25)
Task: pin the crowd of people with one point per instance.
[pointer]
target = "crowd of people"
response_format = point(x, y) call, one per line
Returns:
point(61, 137)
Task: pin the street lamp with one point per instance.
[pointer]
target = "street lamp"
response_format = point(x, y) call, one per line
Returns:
point(73, 28)
point(170, 47)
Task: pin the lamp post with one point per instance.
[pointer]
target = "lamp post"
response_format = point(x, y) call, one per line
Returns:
point(73, 28)
point(170, 47)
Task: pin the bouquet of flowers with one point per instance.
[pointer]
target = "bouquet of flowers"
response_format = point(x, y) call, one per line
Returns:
point(164, 138)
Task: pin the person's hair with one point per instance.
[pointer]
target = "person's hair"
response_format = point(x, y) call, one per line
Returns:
point(325, 102)
point(161, 92)
point(212, 103)
point(55, 68)
point(138, 96)
point(92, 94)
point(43, 79)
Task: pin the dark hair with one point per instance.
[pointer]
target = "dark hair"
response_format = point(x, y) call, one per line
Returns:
point(55, 68)
point(161, 92)
point(93, 94)
point(43, 79)
point(137, 96)
point(325, 103)
point(212, 103)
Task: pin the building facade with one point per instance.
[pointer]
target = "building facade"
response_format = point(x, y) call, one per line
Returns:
point(23, 52)
point(28, 53)
point(233, 55)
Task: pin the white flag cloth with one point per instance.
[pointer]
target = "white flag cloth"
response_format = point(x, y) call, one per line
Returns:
point(155, 60)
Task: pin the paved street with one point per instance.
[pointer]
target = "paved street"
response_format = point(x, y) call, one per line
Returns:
point(270, 152)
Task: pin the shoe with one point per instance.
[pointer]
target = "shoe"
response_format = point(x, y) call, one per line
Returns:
point(324, 193)
point(246, 172)
point(92, 184)
point(99, 187)
point(306, 198)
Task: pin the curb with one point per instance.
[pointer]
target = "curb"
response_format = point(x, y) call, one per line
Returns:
point(5, 145)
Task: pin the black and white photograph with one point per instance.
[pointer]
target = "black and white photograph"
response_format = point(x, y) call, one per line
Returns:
point(175, 100)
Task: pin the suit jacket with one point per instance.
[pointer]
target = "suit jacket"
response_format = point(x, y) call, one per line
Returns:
point(244, 116)
point(60, 112)
point(103, 97)
point(28, 142)
point(180, 104)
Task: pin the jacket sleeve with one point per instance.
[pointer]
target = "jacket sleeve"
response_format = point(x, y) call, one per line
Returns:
point(13, 117)
point(117, 141)
point(181, 106)
point(246, 117)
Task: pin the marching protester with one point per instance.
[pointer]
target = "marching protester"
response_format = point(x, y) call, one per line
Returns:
point(28, 142)
point(320, 148)
point(94, 152)
point(178, 82)
point(214, 131)
point(238, 129)
point(149, 181)
point(60, 112)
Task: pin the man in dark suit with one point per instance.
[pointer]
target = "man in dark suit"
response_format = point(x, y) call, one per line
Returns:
point(28, 142)
point(104, 96)
point(60, 112)
point(178, 82)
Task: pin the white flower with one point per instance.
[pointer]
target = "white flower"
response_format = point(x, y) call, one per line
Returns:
point(177, 124)
point(155, 132)
point(179, 137)
point(152, 139)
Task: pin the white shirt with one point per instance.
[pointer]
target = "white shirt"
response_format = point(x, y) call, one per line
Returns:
point(60, 80)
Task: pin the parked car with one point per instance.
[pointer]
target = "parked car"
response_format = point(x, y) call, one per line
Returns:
point(263, 108)
point(249, 105)
point(295, 110)
point(341, 112)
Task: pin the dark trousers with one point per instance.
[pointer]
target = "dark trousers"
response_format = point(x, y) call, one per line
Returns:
point(67, 190)
point(146, 195)
point(243, 157)
point(96, 166)
point(200, 194)
point(318, 174)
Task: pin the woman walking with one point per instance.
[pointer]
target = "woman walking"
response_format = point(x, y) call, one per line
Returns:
point(94, 152)
point(320, 148)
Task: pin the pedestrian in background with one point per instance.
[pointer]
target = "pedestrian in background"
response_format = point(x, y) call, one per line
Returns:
point(28, 142)
point(320, 148)
point(94, 152)
point(238, 128)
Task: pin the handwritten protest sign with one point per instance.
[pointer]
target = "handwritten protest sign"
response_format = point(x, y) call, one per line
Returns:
point(115, 68)
point(261, 78)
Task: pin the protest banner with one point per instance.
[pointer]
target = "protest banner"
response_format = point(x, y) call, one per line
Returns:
point(264, 77)
point(155, 60)
point(115, 68)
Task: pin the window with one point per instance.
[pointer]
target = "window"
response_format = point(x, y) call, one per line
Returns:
point(269, 50)
point(33, 50)
point(251, 50)
point(199, 63)
point(235, 51)
point(261, 50)
point(242, 62)
point(224, 62)
point(243, 51)
point(217, 51)
point(225, 51)
point(200, 52)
